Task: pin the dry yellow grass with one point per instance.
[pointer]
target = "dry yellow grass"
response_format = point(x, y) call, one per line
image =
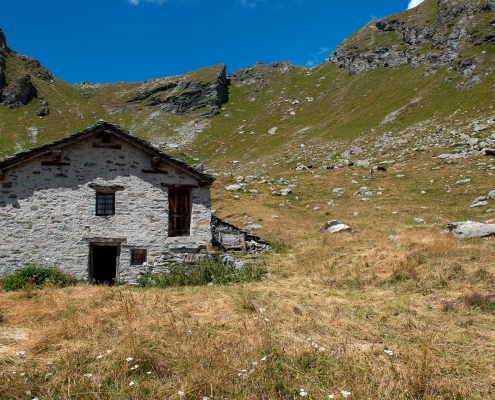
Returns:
point(321, 322)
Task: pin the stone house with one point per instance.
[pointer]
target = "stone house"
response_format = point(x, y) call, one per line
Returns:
point(101, 204)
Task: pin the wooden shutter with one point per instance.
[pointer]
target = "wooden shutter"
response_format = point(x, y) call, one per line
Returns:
point(180, 213)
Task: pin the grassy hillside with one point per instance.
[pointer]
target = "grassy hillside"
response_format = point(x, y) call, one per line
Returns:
point(395, 309)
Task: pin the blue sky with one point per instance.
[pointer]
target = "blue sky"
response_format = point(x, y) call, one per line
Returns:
point(134, 40)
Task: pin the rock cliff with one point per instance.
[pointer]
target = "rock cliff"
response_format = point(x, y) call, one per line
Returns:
point(17, 89)
point(204, 90)
point(432, 34)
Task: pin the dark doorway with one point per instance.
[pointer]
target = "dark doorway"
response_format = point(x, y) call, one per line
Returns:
point(104, 263)
point(180, 213)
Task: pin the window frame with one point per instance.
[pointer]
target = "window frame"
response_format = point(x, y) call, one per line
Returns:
point(185, 213)
point(106, 211)
point(139, 251)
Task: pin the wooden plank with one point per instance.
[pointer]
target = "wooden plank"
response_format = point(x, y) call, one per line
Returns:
point(154, 171)
point(55, 163)
point(101, 145)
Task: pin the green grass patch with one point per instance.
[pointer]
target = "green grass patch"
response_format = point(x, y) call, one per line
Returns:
point(35, 276)
point(211, 270)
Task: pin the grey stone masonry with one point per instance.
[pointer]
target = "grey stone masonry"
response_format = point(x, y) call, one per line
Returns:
point(48, 203)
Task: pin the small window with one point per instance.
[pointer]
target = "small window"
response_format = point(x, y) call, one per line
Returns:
point(105, 203)
point(138, 256)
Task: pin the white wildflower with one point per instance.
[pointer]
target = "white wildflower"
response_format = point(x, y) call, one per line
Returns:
point(100, 356)
point(20, 353)
point(48, 374)
point(135, 367)
point(131, 383)
point(129, 359)
point(181, 393)
point(321, 349)
point(254, 363)
point(389, 352)
point(266, 319)
point(88, 375)
point(302, 393)
point(49, 363)
point(264, 358)
point(109, 351)
point(331, 396)
point(149, 372)
point(262, 310)
point(345, 393)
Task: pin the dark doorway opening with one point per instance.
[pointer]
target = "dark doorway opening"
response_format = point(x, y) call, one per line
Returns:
point(104, 263)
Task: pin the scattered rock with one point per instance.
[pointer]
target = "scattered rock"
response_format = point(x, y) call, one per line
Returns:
point(362, 163)
point(479, 201)
point(419, 220)
point(272, 131)
point(463, 181)
point(471, 229)
point(43, 112)
point(285, 192)
point(338, 190)
point(233, 188)
point(334, 226)
point(491, 195)
point(253, 227)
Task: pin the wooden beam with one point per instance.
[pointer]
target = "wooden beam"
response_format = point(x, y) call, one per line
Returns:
point(154, 171)
point(178, 186)
point(55, 163)
point(107, 145)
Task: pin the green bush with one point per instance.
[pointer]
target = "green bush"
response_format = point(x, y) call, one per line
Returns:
point(36, 276)
point(211, 270)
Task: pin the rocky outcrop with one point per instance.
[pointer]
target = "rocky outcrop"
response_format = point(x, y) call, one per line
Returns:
point(19, 92)
point(471, 229)
point(3, 54)
point(434, 45)
point(186, 93)
point(260, 74)
point(35, 68)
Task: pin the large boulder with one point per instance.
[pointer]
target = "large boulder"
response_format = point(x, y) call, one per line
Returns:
point(334, 226)
point(471, 229)
point(18, 93)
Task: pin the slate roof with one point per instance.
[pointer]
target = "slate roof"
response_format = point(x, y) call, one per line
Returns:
point(98, 127)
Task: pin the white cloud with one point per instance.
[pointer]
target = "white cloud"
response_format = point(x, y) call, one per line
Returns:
point(323, 50)
point(414, 3)
point(310, 63)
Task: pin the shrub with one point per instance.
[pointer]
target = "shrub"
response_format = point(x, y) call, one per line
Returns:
point(37, 277)
point(211, 270)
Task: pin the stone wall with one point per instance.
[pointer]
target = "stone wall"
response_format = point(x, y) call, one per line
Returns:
point(47, 213)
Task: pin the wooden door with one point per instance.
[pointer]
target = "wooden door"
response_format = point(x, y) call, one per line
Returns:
point(180, 213)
